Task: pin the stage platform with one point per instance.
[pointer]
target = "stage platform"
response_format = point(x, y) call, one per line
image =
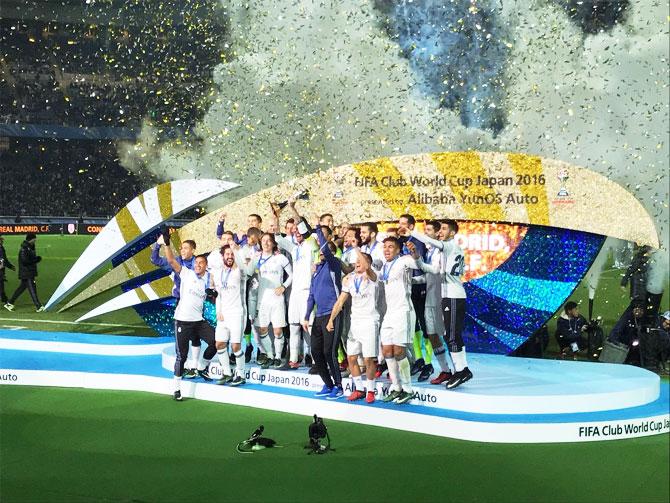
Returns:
point(509, 400)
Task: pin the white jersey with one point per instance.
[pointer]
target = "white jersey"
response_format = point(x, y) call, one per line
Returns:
point(231, 286)
point(191, 295)
point(453, 265)
point(302, 257)
point(350, 255)
point(271, 275)
point(364, 296)
point(215, 259)
point(433, 277)
point(376, 251)
point(397, 278)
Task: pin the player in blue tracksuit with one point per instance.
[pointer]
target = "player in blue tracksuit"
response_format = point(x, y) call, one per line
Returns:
point(323, 292)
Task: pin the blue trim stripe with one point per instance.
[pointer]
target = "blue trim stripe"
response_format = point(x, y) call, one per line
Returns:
point(510, 339)
point(151, 366)
point(33, 335)
point(478, 340)
point(144, 279)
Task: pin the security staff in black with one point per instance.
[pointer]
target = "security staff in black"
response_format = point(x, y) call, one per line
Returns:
point(188, 316)
point(28, 260)
point(4, 265)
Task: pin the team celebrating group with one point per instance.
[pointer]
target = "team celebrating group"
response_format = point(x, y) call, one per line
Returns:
point(348, 299)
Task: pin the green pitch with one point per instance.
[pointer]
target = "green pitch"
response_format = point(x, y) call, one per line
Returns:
point(86, 445)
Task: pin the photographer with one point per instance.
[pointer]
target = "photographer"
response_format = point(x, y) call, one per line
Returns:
point(636, 277)
point(655, 345)
point(631, 332)
point(570, 329)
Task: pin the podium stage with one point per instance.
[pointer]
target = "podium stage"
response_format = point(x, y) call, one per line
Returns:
point(512, 400)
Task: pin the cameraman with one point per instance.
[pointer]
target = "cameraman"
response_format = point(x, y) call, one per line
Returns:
point(570, 329)
point(655, 345)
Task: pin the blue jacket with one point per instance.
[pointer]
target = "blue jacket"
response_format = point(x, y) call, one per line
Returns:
point(326, 281)
point(220, 230)
point(162, 262)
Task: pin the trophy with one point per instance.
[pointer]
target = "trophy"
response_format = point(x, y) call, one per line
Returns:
point(303, 194)
point(562, 178)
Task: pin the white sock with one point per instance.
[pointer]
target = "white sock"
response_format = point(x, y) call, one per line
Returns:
point(394, 373)
point(195, 356)
point(265, 344)
point(405, 375)
point(177, 383)
point(224, 359)
point(459, 360)
point(257, 336)
point(358, 383)
point(279, 345)
point(440, 355)
point(204, 364)
point(294, 343)
point(240, 364)
point(370, 385)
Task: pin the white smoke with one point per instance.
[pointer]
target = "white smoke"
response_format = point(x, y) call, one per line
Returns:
point(597, 101)
point(318, 83)
point(313, 84)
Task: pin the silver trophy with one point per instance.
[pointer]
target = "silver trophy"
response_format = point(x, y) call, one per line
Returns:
point(303, 194)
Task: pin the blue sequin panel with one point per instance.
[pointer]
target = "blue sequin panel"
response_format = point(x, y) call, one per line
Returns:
point(508, 305)
point(553, 254)
point(503, 314)
point(159, 315)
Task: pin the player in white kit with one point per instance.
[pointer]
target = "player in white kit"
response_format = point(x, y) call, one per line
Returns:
point(188, 315)
point(303, 249)
point(370, 245)
point(431, 265)
point(270, 268)
point(230, 282)
point(362, 287)
point(453, 297)
point(397, 328)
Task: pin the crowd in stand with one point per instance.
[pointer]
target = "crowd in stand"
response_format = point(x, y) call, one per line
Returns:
point(54, 177)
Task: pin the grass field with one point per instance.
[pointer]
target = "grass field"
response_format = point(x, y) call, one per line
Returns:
point(88, 445)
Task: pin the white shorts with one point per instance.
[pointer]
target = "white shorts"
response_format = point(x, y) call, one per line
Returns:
point(363, 337)
point(398, 328)
point(271, 311)
point(297, 306)
point(231, 328)
point(434, 321)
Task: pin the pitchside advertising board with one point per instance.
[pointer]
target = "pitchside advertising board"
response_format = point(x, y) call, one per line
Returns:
point(71, 228)
point(66, 228)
